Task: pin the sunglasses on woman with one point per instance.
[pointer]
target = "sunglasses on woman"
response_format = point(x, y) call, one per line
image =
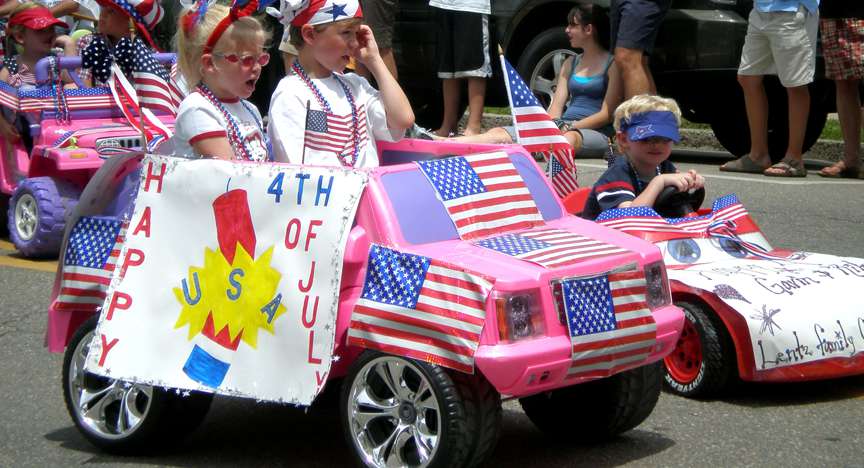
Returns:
point(246, 61)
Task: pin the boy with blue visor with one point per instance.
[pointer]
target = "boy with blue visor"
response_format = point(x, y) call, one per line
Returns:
point(646, 126)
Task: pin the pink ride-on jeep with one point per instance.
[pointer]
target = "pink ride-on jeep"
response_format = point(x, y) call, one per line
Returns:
point(562, 359)
point(69, 134)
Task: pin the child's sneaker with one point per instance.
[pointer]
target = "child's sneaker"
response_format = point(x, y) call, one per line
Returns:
point(421, 133)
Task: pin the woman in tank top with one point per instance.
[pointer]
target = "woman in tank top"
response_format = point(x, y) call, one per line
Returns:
point(587, 92)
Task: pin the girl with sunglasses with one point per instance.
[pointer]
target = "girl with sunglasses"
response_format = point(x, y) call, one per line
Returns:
point(221, 49)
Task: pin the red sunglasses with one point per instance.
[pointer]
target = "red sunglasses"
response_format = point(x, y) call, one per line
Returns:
point(246, 61)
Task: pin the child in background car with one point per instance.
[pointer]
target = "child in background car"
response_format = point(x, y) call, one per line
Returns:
point(99, 51)
point(221, 52)
point(320, 116)
point(646, 127)
point(31, 29)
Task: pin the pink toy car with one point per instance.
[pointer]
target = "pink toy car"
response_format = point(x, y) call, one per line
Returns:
point(400, 410)
point(71, 133)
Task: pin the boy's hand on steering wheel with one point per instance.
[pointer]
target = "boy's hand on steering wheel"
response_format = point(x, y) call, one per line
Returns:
point(698, 180)
point(366, 48)
point(683, 181)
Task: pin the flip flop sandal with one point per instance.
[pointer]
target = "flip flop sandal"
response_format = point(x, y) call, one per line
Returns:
point(743, 164)
point(787, 168)
point(840, 170)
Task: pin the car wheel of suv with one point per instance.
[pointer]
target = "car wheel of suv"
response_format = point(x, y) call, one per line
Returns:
point(703, 359)
point(123, 417)
point(541, 61)
point(729, 122)
point(37, 215)
point(402, 412)
point(613, 405)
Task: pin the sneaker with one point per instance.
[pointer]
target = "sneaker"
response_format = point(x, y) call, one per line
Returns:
point(421, 133)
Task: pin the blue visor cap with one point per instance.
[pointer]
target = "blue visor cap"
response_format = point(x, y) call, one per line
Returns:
point(645, 125)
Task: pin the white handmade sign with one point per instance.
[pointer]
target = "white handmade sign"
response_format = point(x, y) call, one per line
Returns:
point(798, 310)
point(228, 280)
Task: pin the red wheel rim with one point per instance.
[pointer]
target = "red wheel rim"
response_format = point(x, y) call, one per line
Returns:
point(684, 362)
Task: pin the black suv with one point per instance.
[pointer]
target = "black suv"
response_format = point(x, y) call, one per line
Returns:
point(695, 61)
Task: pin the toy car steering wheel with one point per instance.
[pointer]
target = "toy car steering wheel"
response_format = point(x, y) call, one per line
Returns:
point(674, 204)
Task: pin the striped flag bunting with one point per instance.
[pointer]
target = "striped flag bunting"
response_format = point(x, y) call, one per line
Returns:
point(647, 223)
point(483, 193)
point(8, 96)
point(89, 262)
point(332, 133)
point(611, 328)
point(44, 98)
point(550, 247)
point(420, 308)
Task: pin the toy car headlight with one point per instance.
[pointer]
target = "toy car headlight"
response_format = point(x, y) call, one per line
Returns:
point(519, 315)
point(657, 286)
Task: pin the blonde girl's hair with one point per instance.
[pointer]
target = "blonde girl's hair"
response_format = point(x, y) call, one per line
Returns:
point(645, 103)
point(190, 47)
point(17, 28)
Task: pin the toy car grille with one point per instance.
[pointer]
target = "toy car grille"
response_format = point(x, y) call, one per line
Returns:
point(130, 143)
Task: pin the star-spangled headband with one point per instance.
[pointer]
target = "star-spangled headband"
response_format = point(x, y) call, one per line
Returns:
point(36, 18)
point(649, 124)
point(313, 12)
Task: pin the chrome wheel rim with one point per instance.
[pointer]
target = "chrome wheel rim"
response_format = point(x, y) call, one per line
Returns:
point(393, 414)
point(111, 409)
point(544, 78)
point(26, 216)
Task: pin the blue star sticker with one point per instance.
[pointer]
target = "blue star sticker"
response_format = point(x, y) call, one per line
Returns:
point(337, 10)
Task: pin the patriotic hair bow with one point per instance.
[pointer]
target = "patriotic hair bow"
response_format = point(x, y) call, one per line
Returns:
point(198, 11)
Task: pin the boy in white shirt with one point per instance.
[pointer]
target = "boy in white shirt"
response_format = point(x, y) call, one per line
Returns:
point(319, 116)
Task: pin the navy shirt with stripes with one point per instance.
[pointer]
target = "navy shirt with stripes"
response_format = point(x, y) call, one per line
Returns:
point(618, 185)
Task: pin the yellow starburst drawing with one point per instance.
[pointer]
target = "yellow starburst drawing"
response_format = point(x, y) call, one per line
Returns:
point(241, 295)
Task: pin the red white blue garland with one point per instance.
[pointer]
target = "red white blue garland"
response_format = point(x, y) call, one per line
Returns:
point(238, 143)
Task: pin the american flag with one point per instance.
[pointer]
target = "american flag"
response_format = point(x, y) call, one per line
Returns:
point(550, 247)
point(535, 130)
point(483, 193)
point(562, 175)
point(44, 98)
point(89, 261)
point(8, 96)
point(332, 133)
point(418, 307)
point(646, 222)
point(611, 328)
point(156, 89)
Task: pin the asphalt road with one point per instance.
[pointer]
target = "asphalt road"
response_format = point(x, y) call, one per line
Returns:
point(812, 424)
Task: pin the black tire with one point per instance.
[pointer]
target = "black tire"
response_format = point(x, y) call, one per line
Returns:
point(715, 370)
point(540, 62)
point(165, 416)
point(466, 423)
point(730, 127)
point(609, 406)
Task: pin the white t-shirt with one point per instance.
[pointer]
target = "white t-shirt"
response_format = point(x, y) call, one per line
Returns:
point(473, 6)
point(327, 136)
point(198, 119)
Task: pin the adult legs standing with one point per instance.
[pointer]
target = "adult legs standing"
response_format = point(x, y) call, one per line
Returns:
point(634, 26)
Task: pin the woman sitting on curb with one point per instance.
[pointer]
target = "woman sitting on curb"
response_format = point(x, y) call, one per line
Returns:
point(589, 83)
